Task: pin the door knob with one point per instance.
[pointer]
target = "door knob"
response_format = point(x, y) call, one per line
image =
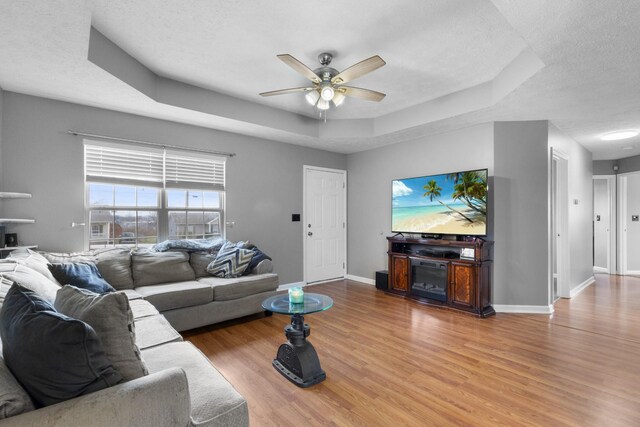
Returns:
point(310, 234)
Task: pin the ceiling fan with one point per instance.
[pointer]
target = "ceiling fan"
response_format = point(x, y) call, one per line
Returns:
point(328, 83)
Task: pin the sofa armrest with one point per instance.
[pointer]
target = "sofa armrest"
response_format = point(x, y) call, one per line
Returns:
point(263, 267)
point(158, 399)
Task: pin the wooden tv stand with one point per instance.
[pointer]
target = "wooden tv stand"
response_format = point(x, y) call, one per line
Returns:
point(467, 265)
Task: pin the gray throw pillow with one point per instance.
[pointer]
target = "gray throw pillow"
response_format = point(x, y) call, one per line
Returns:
point(54, 357)
point(33, 260)
point(29, 278)
point(111, 317)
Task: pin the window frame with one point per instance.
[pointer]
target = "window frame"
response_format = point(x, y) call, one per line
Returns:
point(162, 209)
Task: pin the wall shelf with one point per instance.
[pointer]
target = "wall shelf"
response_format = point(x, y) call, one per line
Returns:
point(9, 195)
point(17, 221)
point(13, 195)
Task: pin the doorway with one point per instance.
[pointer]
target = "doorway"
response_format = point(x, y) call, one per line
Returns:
point(324, 226)
point(604, 230)
point(559, 216)
point(629, 223)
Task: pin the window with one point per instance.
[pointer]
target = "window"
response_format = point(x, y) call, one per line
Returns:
point(140, 196)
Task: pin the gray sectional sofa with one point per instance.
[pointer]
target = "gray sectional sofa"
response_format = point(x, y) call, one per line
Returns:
point(166, 292)
point(178, 285)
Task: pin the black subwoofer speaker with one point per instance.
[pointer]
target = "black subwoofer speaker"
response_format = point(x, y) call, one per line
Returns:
point(382, 279)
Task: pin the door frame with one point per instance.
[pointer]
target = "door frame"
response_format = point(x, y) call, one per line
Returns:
point(561, 200)
point(622, 223)
point(612, 244)
point(305, 169)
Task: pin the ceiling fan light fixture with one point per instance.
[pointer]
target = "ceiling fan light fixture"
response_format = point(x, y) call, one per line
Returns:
point(327, 93)
point(312, 97)
point(338, 99)
point(323, 104)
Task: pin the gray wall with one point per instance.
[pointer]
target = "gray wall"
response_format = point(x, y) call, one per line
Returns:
point(521, 213)
point(369, 186)
point(629, 164)
point(264, 180)
point(580, 176)
point(604, 167)
point(633, 227)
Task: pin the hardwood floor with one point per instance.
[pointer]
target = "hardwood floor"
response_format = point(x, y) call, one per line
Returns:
point(391, 362)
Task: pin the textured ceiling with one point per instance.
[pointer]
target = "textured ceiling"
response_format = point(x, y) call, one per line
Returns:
point(588, 82)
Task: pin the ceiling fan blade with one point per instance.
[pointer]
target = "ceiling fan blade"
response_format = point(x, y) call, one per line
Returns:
point(359, 70)
point(299, 67)
point(285, 91)
point(366, 94)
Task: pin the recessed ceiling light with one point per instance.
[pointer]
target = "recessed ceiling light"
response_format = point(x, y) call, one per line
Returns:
point(622, 134)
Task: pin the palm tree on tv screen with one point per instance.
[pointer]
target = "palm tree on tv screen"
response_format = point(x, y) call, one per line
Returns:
point(471, 189)
point(432, 189)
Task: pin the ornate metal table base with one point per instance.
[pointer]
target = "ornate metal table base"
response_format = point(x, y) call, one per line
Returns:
point(297, 360)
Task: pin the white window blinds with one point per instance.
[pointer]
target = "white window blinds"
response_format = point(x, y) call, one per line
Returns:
point(194, 170)
point(128, 165)
point(173, 168)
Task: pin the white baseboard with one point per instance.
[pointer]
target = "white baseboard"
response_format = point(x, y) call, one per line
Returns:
point(361, 279)
point(600, 270)
point(581, 287)
point(633, 272)
point(526, 309)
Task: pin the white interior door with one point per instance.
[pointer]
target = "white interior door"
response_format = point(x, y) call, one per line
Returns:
point(559, 229)
point(602, 231)
point(629, 186)
point(324, 224)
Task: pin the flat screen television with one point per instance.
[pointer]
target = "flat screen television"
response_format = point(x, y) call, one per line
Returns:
point(449, 203)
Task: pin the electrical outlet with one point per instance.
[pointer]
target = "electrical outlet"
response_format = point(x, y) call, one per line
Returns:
point(635, 218)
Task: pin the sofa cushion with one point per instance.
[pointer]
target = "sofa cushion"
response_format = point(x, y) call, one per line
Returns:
point(115, 266)
point(112, 319)
point(229, 289)
point(29, 278)
point(141, 308)
point(176, 295)
point(153, 331)
point(62, 257)
point(214, 401)
point(54, 357)
point(33, 260)
point(131, 294)
point(200, 261)
point(230, 261)
point(152, 268)
point(14, 400)
point(83, 275)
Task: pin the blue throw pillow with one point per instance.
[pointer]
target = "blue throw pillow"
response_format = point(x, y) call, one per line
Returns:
point(83, 275)
point(258, 256)
point(53, 356)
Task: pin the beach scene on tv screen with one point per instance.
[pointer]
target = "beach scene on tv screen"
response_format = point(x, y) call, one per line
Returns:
point(453, 203)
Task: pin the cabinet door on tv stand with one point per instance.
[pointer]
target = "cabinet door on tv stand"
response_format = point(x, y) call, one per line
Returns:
point(399, 273)
point(463, 286)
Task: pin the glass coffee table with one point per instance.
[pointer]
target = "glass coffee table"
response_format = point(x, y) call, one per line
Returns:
point(297, 360)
